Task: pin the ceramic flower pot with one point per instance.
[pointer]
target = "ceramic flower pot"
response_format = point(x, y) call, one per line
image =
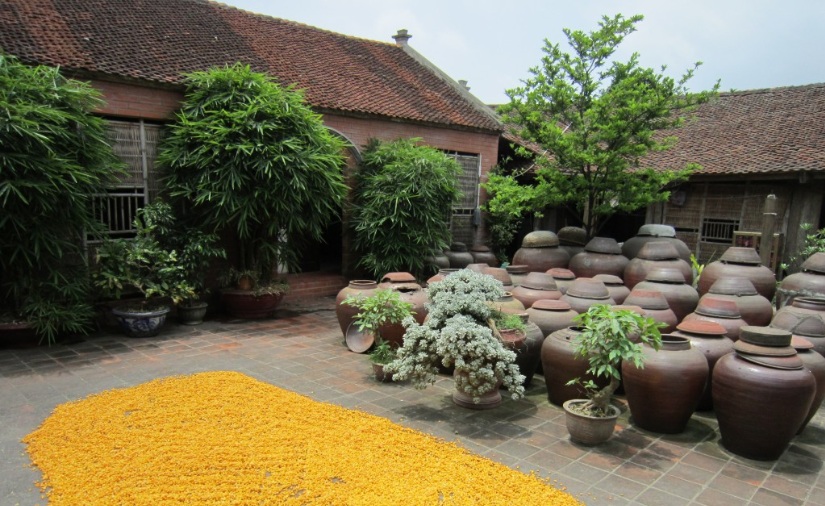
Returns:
point(586, 429)
point(141, 323)
point(463, 397)
point(248, 305)
point(192, 313)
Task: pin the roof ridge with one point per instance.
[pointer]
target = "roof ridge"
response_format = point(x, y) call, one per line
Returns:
point(755, 91)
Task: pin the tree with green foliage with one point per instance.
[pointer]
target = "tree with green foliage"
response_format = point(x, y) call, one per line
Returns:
point(596, 118)
point(55, 156)
point(248, 157)
point(402, 198)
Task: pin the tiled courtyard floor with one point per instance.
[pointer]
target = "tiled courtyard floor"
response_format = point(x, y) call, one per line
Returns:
point(302, 350)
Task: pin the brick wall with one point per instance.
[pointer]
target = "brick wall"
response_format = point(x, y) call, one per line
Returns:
point(131, 101)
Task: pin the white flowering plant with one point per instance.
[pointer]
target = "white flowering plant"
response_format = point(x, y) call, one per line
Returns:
point(456, 334)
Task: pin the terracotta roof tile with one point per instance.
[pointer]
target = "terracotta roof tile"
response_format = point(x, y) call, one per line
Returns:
point(158, 40)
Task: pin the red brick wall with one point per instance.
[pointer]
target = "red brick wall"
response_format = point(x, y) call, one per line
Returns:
point(131, 101)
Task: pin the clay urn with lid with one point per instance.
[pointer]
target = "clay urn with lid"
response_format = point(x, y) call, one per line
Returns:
point(459, 256)
point(484, 255)
point(754, 308)
point(722, 311)
point(507, 303)
point(563, 278)
point(602, 255)
point(345, 313)
point(615, 286)
point(654, 305)
point(709, 338)
point(517, 273)
point(540, 251)
point(501, 275)
point(655, 255)
point(739, 263)
point(815, 363)
point(681, 297)
point(551, 315)
point(762, 393)
point(586, 292)
point(410, 291)
point(808, 282)
point(572, 239)
point(441, 274)
point(536, 286)
point(805, 317)
point(655, 232)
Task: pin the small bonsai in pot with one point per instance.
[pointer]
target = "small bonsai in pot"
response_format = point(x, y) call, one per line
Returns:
point(509, 327)
point(142, 266)
point(609, 336)
point(457, 334)
point(379, 309)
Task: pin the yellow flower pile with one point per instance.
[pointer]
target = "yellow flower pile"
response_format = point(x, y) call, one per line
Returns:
point(226, 438)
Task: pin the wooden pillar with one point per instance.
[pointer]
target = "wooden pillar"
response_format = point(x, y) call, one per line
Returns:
point(804, 207)
point(768, 225)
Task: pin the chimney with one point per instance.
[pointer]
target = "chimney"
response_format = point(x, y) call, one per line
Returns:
point(401, 37)
point(463, 83)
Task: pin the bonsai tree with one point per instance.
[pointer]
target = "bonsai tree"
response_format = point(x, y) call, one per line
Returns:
point(55, 156)
point(457, 334)
point(248, 158)
point(608, 338)
point(402, 199)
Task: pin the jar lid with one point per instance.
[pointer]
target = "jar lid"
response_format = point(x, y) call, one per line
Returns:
point(799, 343)
point(551, 305)
point(658, 250)
point(609, 279)
point(665, 275)
point(789, 363)
point(765, 336)
point(398, 277)
point(702, 327)
point(588, 288)
point(629, 307)
point(604, 245)
point(480, 248)
point(815, 263)
point(647, 299)
point(740, 255)
point(572, 236)
point(802, 324)
point(657, 230)
point(712, 305)
point(540, 239)
point(458, 247)
point(539, 281)
point(733, 285)
point(561, 273)
point(765, 351)
point(517, 269)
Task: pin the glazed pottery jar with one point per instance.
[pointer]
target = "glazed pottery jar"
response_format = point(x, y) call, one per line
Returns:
point(761, 393)
point(602, 255)
point(442, 273)
point(586, 292)
point(551, 315)
point(664, 393)
point(815, 363)
point(517, 273)
point(528, 352)
point(437, 261)
point(681, 297)
point(560, 365)
point(805, 317)
point(755, 309)
point(739, 263)
point(709, 338)
point(459, 256)
point(346, 313)
point(653, 255)
point(482, 255)
point(654, 305)
point(615, 286)
point(655, 232)
point(809, 282)
point(540, 251)
point(536, 286)
point(563, 278)
point(722, 311)
point(572, 240)
point(501, 275)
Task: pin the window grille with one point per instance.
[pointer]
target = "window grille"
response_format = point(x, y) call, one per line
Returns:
point(462, 218)
point(718, 231)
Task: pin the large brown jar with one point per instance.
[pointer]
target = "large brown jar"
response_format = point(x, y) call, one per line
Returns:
point(572, 240)
point(410, 292)
point(654, 305)
point(540, 251)
point(563, 278)
point(517, 273)
point(483, 255)
point(739, 263)
point(536, 286)
point(809, 282)
point(755, 309)
point(722, 311)
point(528, 351)
point(551, 315)
point(655, 255)
point(761, 394)
point(586, 292)
point(815, 363)
point(459, 256)
point(663, 394)
point(441, 274)
point(346, 313)
point(560, 365)
point(655, 232)
point(602, 255)
point(615, 286)
point(501, 275)
point(681, 297)
point(709, 338)
point(805, 317)
point(507, 303)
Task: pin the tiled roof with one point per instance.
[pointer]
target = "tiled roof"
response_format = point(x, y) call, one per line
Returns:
point(771, 131)
point(158, 40)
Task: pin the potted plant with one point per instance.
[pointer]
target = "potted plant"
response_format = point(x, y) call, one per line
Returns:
point(608, 337)
point(509, 327)
point(375, 311)
point(142, 266)
point(457, 334)
point(269, 179)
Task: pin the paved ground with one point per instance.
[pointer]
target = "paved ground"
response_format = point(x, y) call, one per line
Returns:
point(302, 350)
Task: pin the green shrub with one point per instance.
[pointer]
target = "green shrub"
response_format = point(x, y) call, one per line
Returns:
point(402, 201)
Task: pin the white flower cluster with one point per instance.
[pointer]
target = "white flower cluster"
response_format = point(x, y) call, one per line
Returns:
point(456, 334)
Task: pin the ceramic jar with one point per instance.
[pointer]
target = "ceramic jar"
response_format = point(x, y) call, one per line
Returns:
point(586, 292)
point(709, 338)
point(459, 256)
point(572, 239)
point(441, 274)
point(560, 365)
point(655, 232)
point(663, 395)
point(761, 394)
point(722, 311)
point(501, 275)
point(654, 305)
point(517, 273)
point(540, 251)
point(615, 286)
point(681, 297)
point(551, 315)
point(528, 352)
point(805, 317)
point(563, 278)
point(739, 263)
point(653, 255)
point(409, 291)
point(507, 303)
point(815, 363)
point(809, 282)
point(437, 261)
point(346, 313)
point(754, 308)
point(536, 286)
point(602, 255)
point(483, 255)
